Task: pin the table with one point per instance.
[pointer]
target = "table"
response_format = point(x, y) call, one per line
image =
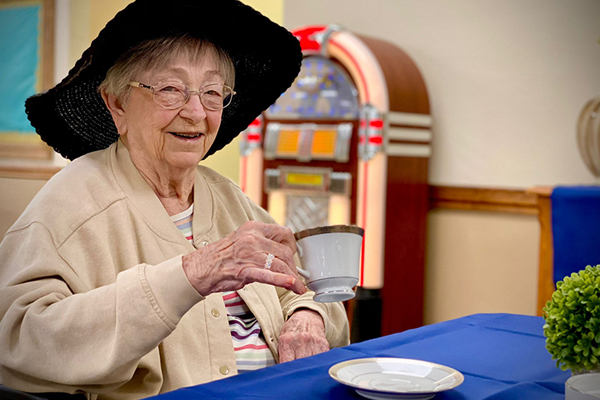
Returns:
point(502, 356)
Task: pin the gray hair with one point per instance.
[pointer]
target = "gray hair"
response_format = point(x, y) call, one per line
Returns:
point(158, 54)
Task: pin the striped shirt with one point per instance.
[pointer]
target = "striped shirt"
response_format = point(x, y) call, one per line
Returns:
point(251, 350)
point(183, 221)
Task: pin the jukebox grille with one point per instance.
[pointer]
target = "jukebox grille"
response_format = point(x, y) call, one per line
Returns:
point(305, 212)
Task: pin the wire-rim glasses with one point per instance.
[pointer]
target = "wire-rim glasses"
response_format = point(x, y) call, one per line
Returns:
point(172, 95)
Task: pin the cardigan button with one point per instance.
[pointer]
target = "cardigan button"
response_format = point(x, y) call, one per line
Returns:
point(224, 370)
point(204, 242)
point(215, 313)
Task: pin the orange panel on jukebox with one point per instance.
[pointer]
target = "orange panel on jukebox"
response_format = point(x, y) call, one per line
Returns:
point(323, 143)
point(288, 142)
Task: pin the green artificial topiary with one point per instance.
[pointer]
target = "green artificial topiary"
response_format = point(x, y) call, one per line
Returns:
point(572, 327)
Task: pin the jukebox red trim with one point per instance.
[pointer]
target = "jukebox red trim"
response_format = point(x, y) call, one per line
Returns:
point(308, 38)
point(364, 224)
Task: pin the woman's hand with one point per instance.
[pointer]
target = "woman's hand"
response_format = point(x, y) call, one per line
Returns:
point(240, 259)
point(302, 335)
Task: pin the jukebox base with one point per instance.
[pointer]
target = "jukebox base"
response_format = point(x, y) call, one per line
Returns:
point(366, 315)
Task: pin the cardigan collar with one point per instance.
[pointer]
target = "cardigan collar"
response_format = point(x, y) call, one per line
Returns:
point(145, 201)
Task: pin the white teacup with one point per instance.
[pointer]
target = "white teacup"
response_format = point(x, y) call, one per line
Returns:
point(330, 258)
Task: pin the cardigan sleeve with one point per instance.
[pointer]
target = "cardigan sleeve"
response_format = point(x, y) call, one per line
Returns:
point(51, 322)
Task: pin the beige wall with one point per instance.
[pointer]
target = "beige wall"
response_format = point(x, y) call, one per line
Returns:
point(480, 262)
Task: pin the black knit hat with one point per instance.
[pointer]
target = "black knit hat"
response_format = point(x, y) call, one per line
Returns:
point(72, 117)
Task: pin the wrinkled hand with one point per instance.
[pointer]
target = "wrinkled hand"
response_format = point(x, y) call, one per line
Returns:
point(302, 335)
point(239, 259)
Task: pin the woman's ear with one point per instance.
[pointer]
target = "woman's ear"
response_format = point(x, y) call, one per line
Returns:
point(115, 106)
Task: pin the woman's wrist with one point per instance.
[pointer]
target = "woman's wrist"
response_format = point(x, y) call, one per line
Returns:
point(190, 269)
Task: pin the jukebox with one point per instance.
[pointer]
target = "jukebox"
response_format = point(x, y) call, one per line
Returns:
point(348, 143)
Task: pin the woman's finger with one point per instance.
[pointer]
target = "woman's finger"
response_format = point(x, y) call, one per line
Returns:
point(275, 265)
point(276, 233)
point(257, 250)
point(269, 277)
point(286, 352)
point(304, 350)
point(279, 266)
point(296, 348)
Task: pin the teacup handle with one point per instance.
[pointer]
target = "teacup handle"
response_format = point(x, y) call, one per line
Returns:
point(303, 273)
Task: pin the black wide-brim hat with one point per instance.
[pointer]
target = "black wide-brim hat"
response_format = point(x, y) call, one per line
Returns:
point(72, 117)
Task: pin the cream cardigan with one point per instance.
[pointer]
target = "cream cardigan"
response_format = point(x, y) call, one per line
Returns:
point(93, 297)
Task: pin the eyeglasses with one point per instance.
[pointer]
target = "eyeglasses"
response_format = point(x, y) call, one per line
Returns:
point(172, 95)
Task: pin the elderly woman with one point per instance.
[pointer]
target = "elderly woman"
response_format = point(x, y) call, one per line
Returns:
point(135, 271)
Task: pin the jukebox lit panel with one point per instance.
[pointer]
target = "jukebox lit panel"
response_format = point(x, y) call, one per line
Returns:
point(308, 141)
point(322, 90)
point(309, 168)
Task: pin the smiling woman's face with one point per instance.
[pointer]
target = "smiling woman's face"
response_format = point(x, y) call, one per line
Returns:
point(157, 137)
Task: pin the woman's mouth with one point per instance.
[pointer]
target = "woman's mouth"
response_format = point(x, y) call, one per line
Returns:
point(187, 135)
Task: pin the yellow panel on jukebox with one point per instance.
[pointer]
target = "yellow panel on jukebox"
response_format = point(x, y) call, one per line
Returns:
point(288, 142)
point(323, 143)
point(304, 179)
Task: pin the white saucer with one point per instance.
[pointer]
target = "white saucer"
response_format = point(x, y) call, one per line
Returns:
point(395, 378)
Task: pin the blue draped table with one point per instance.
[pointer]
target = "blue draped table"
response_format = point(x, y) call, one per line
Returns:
point(502, 356)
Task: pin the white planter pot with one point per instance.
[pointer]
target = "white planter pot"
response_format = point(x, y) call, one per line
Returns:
point(583, 387)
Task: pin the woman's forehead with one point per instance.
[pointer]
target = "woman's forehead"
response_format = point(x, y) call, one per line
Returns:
point(185, 67)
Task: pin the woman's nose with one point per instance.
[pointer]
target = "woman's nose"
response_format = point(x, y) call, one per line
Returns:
point(193, 108)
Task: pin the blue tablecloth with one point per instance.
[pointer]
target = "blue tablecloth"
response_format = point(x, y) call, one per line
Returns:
point(575, 229)
point(502, 357)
